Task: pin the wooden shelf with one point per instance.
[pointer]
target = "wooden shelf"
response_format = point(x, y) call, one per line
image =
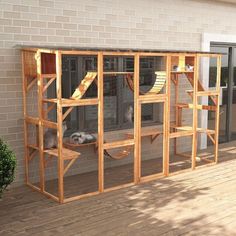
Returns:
point(73, 102)
point(200, 130)
point(181, 72)
point(67, 143)
point(199, 107)
point(67, 154)
point(120, 143)
point(145, 133)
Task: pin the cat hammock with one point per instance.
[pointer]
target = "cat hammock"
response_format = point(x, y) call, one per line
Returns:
point(157, 86)
point(118, 154)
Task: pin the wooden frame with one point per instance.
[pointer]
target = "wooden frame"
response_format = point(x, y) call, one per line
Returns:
point(63, 154)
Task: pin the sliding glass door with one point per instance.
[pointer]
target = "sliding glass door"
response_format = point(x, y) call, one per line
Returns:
point(228, 91)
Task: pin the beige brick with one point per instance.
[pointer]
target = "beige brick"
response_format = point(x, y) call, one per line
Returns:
point(39, 38)
point(21, 23)
point(54, 25)
point(5, 22)
point(85, 27)
point(11, 29)
point(43, 3)
point(70, 40)
point(38, 10)
point(62, 19)
point(47, 32)
point(55, 39)
point(30, 31)
point(9, 14)
point(38, 24)
point(70, 26)
point(91, 8)
point(84, 40)
point(97, 28)
point(21, 37)
point(69, 13)
point(63, 32)
point(5, 36)
point(20, 8)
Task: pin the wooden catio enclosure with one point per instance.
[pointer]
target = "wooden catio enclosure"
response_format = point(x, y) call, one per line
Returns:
point(43, 70)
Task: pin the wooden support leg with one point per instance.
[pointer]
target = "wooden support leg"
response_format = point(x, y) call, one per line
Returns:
point(59, 130)
point(195, 111)
point(137, 122)
point(100, 124)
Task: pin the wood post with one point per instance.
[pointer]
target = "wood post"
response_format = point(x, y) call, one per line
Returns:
point(59, 129)
point(137, 122)
point(195, 111)
point(100, 124)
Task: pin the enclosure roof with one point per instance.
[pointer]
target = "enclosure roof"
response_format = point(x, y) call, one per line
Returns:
point(122, 50)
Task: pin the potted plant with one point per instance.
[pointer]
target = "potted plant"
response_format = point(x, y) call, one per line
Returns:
point(7, 166)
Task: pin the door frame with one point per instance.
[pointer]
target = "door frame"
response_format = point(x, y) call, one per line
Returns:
point(224, 40)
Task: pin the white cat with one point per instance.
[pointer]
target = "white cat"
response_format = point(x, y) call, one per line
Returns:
point(82, 137)
point(129, 114)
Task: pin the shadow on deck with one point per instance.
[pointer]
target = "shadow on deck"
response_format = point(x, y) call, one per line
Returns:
point(201, 202)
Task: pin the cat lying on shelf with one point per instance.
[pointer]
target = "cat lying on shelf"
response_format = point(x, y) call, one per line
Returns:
point(82, 137)
point(50, 137)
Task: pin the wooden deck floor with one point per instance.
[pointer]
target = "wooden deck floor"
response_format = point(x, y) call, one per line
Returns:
point(202, 202)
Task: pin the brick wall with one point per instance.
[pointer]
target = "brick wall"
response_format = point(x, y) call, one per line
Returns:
point(167, 24)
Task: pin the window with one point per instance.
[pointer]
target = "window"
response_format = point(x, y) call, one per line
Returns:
point(118, 98)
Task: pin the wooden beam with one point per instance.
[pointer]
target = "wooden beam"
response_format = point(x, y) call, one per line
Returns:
point(67, 113)
point(166, 117)
point(100, 124)
point(137, 122)
point(217, 121)
point(59, 129)
point(116, 144)
point(71, 162)
point(195, 111)
point(48, 84)
point(40, 125)
point(32, 82)
point(26, 151)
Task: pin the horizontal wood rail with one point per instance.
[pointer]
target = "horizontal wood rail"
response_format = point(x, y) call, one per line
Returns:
point(49, 124)
point(32, 120)
point(155, 98)
point(199, 107)
point(117, 144)
point(48, 76)
point(208, 93)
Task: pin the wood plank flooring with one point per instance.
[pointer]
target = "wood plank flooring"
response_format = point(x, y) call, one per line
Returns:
point(200, 202)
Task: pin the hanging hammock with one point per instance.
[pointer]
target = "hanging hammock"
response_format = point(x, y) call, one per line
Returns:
point(119, 154)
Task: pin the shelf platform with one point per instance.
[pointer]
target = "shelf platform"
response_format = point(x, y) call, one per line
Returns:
point(67, 154)
point(73, 102)
point(199, 107)
point(182, 72)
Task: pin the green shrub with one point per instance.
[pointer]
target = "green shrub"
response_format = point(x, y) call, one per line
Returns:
point(7, 166)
